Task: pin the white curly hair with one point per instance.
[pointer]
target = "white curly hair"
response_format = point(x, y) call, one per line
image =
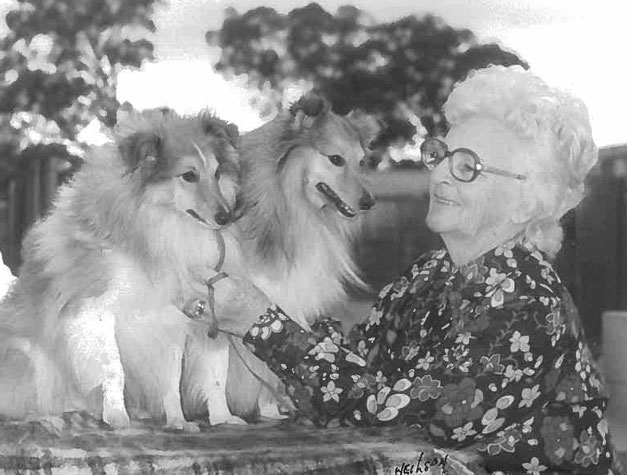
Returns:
point(553, 122)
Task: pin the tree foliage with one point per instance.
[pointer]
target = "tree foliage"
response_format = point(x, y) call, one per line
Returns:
point(58, 70)
point(402, 71)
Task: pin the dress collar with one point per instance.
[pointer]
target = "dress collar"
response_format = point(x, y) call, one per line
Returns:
point(504, 256)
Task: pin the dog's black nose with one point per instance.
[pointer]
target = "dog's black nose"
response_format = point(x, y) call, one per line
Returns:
point(366, 201)
point(222, 217)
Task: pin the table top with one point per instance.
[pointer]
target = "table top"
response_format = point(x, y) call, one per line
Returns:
point(78, 443)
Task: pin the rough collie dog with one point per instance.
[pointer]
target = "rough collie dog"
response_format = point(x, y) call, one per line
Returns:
point(301, 196)
point(95, 315)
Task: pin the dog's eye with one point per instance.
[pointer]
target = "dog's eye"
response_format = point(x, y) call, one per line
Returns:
point(190, 177)
point(362, 163)
point(336, 160)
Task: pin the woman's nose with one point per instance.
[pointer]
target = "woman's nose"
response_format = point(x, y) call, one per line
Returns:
point(441, 171)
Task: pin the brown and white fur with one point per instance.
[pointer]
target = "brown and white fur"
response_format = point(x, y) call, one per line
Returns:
point(94, 317)
point(301, 196)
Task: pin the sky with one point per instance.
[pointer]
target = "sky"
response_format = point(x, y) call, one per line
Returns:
point(572, 44)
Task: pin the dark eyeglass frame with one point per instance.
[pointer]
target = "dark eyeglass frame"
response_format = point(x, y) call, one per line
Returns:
point(478, 167)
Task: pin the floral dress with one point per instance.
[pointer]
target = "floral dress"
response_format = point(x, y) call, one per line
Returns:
point(490, 355)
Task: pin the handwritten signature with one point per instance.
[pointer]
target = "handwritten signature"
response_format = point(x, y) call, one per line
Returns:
point(422, 465)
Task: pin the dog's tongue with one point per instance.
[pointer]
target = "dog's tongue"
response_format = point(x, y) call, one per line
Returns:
point(342, 207)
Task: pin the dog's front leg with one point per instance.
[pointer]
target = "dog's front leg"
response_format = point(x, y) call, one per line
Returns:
point(216, 378)
point(95, 359)
point(175, 334)
point(172, 403)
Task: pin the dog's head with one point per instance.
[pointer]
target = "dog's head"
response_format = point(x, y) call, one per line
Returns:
point(330, 150)
point(185, 165)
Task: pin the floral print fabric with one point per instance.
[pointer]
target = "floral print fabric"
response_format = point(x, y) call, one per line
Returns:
point(489, 355)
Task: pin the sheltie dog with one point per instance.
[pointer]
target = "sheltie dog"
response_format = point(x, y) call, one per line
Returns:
point(96, 313)
point(300, 200)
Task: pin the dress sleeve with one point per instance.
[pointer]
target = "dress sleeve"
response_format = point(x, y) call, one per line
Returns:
point(327, 375)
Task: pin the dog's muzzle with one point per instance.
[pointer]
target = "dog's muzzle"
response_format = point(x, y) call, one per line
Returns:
point(366, 201)
point(222, 217)
point(339, 203)
point(196, 216)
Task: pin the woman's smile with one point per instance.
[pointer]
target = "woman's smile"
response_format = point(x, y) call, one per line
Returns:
point(443, 199)
point(444, 194)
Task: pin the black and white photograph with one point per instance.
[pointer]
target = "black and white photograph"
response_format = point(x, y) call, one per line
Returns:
point(295, 237)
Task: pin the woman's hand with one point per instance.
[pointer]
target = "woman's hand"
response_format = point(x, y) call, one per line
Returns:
point(238, 304)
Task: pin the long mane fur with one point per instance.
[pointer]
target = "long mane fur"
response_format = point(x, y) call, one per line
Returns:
point(103, 208)
point(101, 223)
point(302, 256)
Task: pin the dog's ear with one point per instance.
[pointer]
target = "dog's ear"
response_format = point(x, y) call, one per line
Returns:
point(125, 112)
point(309, 108)
point(142, 151)
point(220, 128)
point(366, 126)
point(232, 132)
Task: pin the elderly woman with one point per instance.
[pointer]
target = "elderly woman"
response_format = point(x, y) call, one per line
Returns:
point(478, 343)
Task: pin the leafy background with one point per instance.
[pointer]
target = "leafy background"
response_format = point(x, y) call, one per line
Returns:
point(61, 61)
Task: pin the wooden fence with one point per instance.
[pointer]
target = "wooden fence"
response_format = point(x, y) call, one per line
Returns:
point(592, 263)
point(28, 196)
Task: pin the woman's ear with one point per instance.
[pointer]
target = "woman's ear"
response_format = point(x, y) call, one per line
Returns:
point(526, 208)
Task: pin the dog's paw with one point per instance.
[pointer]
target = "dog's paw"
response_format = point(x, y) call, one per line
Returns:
point(52, 424)
point(271, 411)
point(185, 426)
point(227, 419)
point(116, 417)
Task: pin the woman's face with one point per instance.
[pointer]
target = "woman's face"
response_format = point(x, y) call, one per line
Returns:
point(486, 205)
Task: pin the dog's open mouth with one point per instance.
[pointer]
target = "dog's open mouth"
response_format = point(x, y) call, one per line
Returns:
point(196, 216)
point(341, 206)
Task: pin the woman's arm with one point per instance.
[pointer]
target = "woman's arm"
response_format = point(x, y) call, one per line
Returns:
point(461, 387)
point(324, 364)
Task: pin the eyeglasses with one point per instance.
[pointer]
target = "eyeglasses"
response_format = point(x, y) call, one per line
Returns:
point(464, 164)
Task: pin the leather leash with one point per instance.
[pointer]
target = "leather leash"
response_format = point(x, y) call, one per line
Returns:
point(198, 314)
